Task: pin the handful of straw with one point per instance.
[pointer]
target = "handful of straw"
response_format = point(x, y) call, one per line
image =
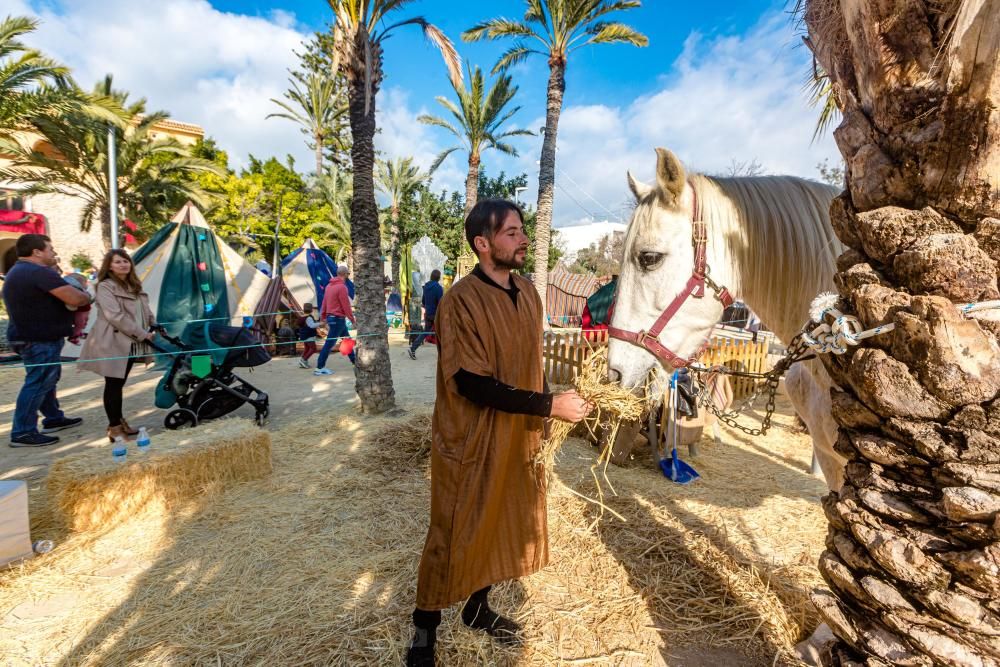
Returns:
point(613, 405)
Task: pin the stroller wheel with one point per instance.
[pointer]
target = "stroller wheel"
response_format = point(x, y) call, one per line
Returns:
point(262, 415)
point(180, 418)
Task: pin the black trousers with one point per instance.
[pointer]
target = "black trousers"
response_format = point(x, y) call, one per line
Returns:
point(113, 396)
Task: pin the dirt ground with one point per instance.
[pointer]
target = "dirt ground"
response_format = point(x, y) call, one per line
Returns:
point(743, 539)
point(296, 395)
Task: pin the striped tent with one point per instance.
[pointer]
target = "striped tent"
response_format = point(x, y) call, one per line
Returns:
point(191, 274)
point(567, 295)
point(306, 272)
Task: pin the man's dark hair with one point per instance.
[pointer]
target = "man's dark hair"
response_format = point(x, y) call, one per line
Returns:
point(486, 217)
point(435, 275)
point(28, 243)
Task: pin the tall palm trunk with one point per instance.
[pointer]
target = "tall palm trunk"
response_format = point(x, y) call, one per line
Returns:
point(318, 138)
point(373, 372)
point(547, 175)
point(394, 253)
point(472, 183)
point(105, 222)
point(914, 541)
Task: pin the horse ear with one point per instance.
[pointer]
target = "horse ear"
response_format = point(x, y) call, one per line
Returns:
point(639, 189)
point(670, 176)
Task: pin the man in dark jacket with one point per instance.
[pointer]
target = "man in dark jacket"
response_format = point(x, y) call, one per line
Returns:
point(432, 295)
point(37, 297)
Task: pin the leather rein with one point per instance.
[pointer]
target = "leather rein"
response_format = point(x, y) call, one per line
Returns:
point(695, 288)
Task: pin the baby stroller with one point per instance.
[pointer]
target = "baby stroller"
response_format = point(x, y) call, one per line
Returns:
point(221, 391)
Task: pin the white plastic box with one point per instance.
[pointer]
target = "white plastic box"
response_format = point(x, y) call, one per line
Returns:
point(15, 533)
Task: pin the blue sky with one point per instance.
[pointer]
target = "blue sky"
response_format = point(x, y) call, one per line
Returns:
point(719, 83)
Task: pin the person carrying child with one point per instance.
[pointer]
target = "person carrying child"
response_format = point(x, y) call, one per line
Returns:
point(307, 334)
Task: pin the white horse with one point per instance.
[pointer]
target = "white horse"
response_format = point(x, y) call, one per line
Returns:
point(767, 239)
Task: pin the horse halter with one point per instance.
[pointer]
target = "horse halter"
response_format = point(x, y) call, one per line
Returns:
point(695, 288)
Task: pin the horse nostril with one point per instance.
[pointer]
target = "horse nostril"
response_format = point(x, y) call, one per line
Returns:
point(614, 375)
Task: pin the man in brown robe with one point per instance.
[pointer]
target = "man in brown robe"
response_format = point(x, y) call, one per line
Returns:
point(488, 521)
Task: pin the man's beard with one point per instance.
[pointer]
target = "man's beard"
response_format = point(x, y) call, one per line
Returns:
point(508, 262)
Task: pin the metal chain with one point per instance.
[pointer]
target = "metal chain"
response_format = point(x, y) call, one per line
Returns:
point(797, 350)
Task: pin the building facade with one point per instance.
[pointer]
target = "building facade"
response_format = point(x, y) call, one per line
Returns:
point(61, 212)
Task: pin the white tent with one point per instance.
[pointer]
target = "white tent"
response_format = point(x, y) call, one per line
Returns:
point(307, 271)
point(190, 274)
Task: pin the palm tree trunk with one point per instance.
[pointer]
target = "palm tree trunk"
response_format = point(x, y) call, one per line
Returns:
point(914, 537)
point(394, 248)
point(373, 371)
point(106, 226)
point(319, 155)
point(472, 183)
point(547, 176)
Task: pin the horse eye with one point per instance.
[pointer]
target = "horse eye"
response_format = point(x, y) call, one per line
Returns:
point(648, 260)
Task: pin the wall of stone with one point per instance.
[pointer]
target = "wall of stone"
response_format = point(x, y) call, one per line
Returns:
point(63, 215)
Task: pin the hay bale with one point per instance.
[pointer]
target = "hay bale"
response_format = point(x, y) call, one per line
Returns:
point(91, 491)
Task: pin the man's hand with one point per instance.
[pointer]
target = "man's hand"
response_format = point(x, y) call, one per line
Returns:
point(570, 406)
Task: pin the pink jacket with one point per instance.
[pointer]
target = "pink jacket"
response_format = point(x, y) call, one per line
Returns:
point(335, 301)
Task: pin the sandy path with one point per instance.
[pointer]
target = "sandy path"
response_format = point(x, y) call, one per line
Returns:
point(296, 394)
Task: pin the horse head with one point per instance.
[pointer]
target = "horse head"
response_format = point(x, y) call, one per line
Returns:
point(658, 264)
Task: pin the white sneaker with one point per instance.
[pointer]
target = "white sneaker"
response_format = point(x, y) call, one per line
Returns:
point(303, 363)
point(322, 371)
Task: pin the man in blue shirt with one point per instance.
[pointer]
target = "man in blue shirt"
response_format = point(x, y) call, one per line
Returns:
point(432, 295)
point(37, 297)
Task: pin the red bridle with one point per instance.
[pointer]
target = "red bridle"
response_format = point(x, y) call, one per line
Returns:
point(650, 340)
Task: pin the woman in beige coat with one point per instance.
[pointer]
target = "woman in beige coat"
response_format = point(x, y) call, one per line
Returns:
point(119, 335)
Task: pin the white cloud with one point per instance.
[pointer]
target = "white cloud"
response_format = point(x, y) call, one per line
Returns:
point(724, 99)
point(402, 135)
point(216, 69)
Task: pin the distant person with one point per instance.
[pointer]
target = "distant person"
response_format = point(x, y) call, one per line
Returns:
point(119, 336)
point(336, 310)
point(307, 334)
point(432, 295)
point(36, 297)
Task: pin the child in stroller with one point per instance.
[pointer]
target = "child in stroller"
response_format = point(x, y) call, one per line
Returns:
point(220, 391)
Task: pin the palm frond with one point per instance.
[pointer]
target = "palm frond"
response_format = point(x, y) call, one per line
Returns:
point(499, 27)
point(438, 122)
point(820, 91)
point(615, 33)
point(441, 158)
point(513, 56)
point(434, 35)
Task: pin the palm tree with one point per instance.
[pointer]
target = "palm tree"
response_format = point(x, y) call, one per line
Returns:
point(559, 27)
point(334, 233)
point(155, 176)
point(398, 178)
point(480, 119)
point(914, 536)
point(29, 81)
point(360, 28)
point(316, 108)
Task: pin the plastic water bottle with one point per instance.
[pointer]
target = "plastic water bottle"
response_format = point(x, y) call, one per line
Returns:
point(42, 546)
point(119, 452)
point(142, 442)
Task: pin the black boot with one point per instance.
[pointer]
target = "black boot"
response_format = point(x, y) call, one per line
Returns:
point(477, 615)
point(421, 651)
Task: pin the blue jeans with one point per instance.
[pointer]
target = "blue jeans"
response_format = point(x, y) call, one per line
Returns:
point(39, 390)
point(336, 329)
point(418, 340)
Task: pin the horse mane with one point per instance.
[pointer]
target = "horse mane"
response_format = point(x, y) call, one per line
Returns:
point(776, 234)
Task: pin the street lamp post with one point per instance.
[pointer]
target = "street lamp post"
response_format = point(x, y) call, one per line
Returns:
point(113, 185)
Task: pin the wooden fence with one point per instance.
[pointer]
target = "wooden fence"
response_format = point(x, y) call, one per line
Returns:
point(566, 350)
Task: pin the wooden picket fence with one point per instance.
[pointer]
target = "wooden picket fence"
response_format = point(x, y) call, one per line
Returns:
point(566, 350)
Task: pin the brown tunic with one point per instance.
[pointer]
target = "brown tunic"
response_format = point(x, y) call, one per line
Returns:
point(488, 521)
